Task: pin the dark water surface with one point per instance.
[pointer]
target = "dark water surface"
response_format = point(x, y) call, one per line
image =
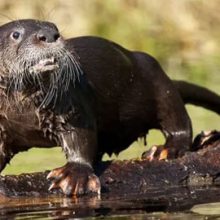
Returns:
point(123, 207)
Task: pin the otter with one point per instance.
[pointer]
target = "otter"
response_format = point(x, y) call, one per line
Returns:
point(88, 95)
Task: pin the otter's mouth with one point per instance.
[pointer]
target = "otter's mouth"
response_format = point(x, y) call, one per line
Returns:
point(45, 65)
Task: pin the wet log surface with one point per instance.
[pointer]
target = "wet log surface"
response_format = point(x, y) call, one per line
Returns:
point(142, 185)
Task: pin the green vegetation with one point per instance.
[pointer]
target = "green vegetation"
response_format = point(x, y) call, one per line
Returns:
point(183, 35)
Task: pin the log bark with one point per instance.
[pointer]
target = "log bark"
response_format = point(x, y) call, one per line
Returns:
point(173, 184)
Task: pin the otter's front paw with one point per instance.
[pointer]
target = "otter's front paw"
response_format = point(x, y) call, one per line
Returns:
point(75, 179)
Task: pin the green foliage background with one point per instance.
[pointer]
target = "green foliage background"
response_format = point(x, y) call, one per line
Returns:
point(183, 35)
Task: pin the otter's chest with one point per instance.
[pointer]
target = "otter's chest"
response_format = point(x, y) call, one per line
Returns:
point(20, 109)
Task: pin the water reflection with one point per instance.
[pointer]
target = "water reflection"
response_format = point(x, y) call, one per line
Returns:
point(49, 207)
point(134, 207)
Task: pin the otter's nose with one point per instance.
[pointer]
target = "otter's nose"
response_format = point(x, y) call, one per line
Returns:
point(48, 36)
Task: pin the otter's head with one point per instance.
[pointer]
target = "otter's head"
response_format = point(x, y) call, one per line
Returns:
point(33, 57)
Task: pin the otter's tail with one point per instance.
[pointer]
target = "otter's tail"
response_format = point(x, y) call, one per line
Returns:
point(198, 95)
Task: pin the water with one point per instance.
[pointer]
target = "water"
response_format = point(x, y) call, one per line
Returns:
point(127, 207)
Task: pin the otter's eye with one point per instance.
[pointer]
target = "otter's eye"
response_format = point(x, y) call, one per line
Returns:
point(15, 35)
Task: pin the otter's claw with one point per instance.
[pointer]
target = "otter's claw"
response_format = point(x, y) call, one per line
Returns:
point(74, 179)
point(156, 153)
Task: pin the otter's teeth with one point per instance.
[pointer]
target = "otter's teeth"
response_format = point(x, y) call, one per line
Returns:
point(44, 66)
point(48, 61)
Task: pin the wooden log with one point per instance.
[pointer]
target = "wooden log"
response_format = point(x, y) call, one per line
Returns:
point(166, 183)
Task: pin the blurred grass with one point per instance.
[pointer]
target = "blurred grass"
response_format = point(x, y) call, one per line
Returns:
point(183, 35)
point(35, 159)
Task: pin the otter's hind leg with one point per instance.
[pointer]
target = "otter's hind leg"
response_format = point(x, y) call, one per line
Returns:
point(174, 122)
point(171, 115)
